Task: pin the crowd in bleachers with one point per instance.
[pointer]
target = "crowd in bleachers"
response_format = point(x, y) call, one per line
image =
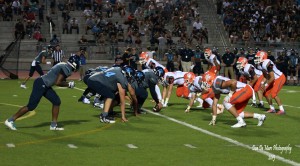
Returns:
point(261, 21)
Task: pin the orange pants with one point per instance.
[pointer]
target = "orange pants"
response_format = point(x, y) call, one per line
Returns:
point(274, 88)
point(215, 69)
point(257, 84)
point(209, 94)
point(182, 91)
point(240, 98)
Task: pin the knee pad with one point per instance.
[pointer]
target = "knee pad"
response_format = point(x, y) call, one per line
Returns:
point(227, 105)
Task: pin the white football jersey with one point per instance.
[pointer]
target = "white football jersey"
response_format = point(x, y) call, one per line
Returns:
point(178, 77)
point(196, 86)
point(211, 59)
point(218, 82)
point(151, 62)
point(250, 67)
point(265, 65)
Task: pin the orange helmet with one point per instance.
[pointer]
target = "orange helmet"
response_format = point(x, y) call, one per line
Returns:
point(241, 63)
point(207, 53)
point(208, 79)
point(189, 78)
point(144, 57)
point(260, 57)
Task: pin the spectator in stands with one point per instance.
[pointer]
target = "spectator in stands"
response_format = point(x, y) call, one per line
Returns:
point(16, 5)
point(89, 24)
point(118, 60)
point(82, 40)
point(8, 13)
point(138, 42)
point(41, 13)
point(87, 12)
point(53, 6)
point(19, 29)
point(292, 68)
point(74, 25)
point(246, 37)
point(54, 41)
point(197, 25)
point(29, 29)
point(65, 27)
point(49, 19)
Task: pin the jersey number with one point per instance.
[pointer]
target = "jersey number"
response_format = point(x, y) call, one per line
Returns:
point(108, 74)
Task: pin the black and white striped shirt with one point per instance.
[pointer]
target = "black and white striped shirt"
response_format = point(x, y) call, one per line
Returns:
point(57, 56)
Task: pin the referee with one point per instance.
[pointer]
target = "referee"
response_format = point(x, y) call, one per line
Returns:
point(57, 55)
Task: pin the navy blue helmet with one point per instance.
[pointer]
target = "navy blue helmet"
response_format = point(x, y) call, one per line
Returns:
point(128, 71)
point(139, 76)
point(74, 61)
point(159, 71)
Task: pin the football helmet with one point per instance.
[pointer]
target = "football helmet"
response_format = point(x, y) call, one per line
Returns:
point(207, 53)
point(74, 62)
point(189, 78)
point(260, 57)
point(159, 71)
point(128, 71)
point(241, 63)
point(139, 76)
point(207, 80)
point(144, 56)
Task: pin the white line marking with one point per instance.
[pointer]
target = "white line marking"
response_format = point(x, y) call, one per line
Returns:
point(131, 146)
point(298, 146)
point(287, 161)
point(15, 95)
point(72, 146)
point(190, 146)
point(74, 96)
point(79, 89)
point(10, 145)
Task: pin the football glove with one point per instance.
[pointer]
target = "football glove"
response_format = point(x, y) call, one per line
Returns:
point(71, 84)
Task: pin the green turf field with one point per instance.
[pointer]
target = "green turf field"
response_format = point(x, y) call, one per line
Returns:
point(171, 137)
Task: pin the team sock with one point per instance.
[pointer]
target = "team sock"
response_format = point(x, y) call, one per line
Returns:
point(53, 124)
point(281, 108)
point(256, 116)
point(10, 119)
point(261, 102)
point(272, 107)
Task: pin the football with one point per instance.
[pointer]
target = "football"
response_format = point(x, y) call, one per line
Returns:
point(156, 108)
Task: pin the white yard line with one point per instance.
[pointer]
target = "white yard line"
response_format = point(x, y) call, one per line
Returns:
point(190, 146)
point(131, 146)
point(72, 146)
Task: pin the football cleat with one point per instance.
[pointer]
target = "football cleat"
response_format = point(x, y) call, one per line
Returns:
point(106, 119)
point(261, 120)
point(56, 128)
point(271, 111)
point(23, 86)
point(86, 101)
point(280, 112)
point(10, 125)
point(239, 124)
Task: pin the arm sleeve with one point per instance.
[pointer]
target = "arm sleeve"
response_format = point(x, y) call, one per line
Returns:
point(153, 93)
point(157, 90)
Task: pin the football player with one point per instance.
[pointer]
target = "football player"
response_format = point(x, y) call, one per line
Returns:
point(194, 84)
point(42, 86)
point(35, 64)
point(214, 63)
point(171, 79)
point(152, 79)
point(108, 84)
point(254, 76)
point(273, 83)
point(238, 95)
